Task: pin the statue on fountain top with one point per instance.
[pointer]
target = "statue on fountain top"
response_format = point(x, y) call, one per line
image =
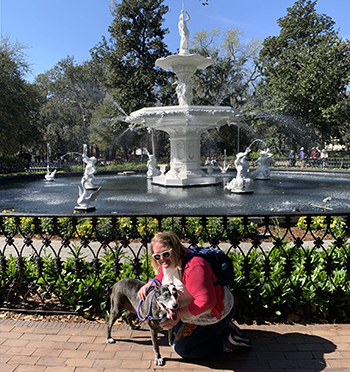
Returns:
point(184, 33)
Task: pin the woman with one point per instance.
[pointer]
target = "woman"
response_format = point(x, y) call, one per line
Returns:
point(203, 326)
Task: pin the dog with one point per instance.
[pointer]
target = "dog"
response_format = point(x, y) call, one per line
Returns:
point(160, 302)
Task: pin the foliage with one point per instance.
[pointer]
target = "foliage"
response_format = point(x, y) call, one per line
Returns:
point(305, 72)
point(208, 229)
point(317, 223)
point(229, 80)
point(307, 281)
point(136, 42)
point(79, 285)
point(19, 100)
point(70, 94)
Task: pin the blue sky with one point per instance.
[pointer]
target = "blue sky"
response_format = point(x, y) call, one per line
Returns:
point(54, 29)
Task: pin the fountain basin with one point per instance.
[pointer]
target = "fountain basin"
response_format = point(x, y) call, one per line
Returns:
point(187, 64)
point(185, 125)
point(135, 194)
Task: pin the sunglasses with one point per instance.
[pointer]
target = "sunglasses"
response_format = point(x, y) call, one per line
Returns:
point(165, 255)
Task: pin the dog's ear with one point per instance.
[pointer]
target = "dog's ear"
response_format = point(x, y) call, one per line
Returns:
point(157, 290)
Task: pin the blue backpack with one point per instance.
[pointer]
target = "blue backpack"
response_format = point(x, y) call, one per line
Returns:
point(219, 261)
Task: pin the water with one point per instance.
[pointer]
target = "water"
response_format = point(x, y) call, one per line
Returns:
point(135, 194)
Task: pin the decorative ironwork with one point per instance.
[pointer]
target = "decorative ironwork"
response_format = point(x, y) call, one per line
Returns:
point(298, 262)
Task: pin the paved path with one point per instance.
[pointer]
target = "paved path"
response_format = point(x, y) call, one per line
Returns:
point(27, 346)
point(19, 247)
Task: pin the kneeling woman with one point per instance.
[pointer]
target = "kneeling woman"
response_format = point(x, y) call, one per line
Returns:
point(203, 325)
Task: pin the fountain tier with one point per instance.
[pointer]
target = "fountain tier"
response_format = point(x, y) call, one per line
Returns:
point(185, 125)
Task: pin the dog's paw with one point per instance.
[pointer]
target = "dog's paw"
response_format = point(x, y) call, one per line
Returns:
point(110, 340)
point(159, 362)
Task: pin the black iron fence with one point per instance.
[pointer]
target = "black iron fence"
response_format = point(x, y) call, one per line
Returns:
point(297, 263)
point(329, 163)
point(276, 161)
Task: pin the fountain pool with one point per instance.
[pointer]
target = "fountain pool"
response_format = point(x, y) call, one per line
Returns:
point(124, 194)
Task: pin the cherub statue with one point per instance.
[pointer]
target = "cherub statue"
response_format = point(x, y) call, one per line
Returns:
point(242, 183)
point(151, 166)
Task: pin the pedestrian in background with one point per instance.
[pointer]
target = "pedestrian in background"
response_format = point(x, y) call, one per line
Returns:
point(302, 157)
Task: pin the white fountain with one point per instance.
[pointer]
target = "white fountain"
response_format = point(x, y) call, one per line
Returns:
point(184, 123)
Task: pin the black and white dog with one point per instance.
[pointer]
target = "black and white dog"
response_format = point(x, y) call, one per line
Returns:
point(161, 302)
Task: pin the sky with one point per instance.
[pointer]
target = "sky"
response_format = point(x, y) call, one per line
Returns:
point(53, 30)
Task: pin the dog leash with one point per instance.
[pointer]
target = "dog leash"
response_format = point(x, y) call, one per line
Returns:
point(148, 316)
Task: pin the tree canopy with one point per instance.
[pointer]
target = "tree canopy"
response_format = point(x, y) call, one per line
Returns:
point(19, 100)
point(305, 73)
point(71, 93)
point(230, 80)
point(136, 42)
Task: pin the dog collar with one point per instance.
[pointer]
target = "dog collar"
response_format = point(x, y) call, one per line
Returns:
point(148, 316)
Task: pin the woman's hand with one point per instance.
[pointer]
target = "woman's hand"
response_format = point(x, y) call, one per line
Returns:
point(167, 323)
point(142, 293)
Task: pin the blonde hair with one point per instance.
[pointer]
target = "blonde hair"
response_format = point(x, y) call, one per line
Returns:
point(172, 241)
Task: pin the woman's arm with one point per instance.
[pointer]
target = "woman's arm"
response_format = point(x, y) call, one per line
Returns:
point(198, 279)
point(142, 293)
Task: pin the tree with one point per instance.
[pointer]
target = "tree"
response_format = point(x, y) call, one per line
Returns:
point(136, 42)
point(109, 132)
point(305, 72)
point(129, 56)
point(19, 101)
point(70, 94)
point(229, 80)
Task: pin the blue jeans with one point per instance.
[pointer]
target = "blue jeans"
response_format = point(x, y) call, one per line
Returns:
point(195, 341)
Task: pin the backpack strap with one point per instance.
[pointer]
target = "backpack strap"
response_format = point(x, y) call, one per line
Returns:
point(188, 258)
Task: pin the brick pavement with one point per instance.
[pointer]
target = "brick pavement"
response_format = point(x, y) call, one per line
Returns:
point(27, 346)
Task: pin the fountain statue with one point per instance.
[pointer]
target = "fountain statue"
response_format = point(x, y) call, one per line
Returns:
point(242, 183)
point(224, 166)
point(263, 172)
point(151, 166)
point(184, 123)
point(49, 176)
point(90, 188)
point(184, 33)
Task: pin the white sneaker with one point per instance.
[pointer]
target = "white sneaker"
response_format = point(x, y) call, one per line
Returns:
point(235, 340)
